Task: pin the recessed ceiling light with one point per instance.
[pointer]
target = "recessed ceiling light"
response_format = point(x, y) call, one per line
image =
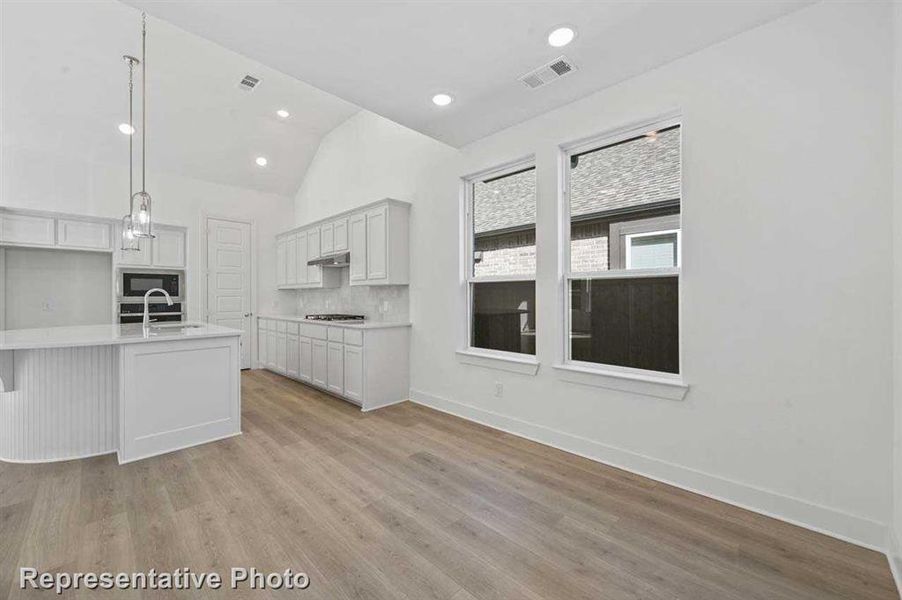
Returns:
point(261, 161)
point(442, 99)
point(283, 113)
point(561, 36)
point(126, 128)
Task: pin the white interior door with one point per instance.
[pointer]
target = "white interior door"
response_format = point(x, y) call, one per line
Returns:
point(229, 279)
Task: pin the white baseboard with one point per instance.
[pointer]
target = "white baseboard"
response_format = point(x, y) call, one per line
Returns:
point(848, 527)
point(894, 556)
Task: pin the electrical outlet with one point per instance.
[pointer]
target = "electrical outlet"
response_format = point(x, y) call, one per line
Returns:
point(499, 389)
point(47, 306)
point(385, 306)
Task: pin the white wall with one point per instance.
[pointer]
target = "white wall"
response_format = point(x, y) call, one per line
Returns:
point(787, 270)
point(48, 288)
point(35, 177)
point(896, 556)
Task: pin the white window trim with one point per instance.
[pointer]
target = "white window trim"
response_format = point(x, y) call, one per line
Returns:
point(468, 354)
point(638, 381)
point(631, 236)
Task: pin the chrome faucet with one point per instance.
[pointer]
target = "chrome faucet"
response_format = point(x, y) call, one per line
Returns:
point(146, 296)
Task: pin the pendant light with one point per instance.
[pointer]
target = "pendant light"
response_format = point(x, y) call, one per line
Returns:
point(129, 241)
point(141, 217)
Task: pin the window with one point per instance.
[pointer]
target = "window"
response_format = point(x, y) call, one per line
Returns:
point(623, 263)
point(501, 260)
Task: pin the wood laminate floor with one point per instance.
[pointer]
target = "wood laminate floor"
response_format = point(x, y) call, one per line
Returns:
point(408, 503)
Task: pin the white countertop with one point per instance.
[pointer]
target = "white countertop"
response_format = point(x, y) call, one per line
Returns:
point(107, 335)
point(346, 324)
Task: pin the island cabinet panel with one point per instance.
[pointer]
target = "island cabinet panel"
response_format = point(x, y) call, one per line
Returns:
point(365, 365)
point(176, 394)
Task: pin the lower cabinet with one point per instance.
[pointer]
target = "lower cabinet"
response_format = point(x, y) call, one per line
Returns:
point(366, 367)
point(353, 373)
point(336, 368)
point(320, 363)
point(305, 359)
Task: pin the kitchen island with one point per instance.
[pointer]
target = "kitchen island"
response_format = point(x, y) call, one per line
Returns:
point(74, 392)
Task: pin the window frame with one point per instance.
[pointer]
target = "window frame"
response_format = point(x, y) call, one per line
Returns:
point(468, 276)
point(566, 275)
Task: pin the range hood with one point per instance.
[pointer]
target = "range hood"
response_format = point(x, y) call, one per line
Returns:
point(334, 261)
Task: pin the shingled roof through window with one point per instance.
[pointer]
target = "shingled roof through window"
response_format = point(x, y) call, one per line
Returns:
point(641, 171)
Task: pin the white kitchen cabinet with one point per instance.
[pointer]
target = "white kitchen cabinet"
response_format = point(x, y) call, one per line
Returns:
point(281, 262)
point(320, 362)
point(357, 247)
point(291, 260)
point(305, 358)
point(281, 348)
point(353, 373)
point(292, 367)
point(335, 368)
point(327, 239)
point(262, 342)
point(168, 247)
point(28, 230)
point(377, 244)
point(340, 228)
point(366, 366)
point(301, 258)
point(314, 273)
point(138, 258)
point(90, 235)
point(272, 341)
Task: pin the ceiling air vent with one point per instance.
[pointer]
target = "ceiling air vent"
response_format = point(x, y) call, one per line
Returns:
point(548, 73)
point(248, 83)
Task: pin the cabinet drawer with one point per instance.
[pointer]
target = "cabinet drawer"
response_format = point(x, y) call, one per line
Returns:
point(354, 337)
point(317, 332)
point(336, 334)
point(281, 326)
point(291, 328)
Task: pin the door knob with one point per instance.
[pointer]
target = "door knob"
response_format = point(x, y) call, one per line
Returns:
point(248, 314)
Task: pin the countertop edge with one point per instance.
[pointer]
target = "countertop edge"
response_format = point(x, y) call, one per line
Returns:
point(365, 325)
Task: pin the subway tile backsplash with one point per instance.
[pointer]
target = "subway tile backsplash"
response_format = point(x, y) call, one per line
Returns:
point(375, 302)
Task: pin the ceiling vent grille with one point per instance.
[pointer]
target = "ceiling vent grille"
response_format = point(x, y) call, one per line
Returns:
point(547, 73)
point(248, 83)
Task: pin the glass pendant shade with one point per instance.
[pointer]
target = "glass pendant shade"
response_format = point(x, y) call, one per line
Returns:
point(141, 215)
point(129, 242)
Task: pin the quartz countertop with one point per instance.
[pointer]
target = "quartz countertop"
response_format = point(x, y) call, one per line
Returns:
point(108, 335)
point(346, 324)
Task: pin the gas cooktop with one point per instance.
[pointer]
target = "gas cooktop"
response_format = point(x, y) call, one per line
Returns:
point(335, 317)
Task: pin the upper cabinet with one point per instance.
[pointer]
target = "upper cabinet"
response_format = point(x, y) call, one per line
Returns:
point(376, 236)
point(52, 231)
point(293, 251)
point(379, 244)
point(167, 249)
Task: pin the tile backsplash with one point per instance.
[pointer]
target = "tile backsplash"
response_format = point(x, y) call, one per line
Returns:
point(376, 302)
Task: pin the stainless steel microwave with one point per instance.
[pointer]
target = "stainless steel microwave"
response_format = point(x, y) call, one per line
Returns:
point(136, 284)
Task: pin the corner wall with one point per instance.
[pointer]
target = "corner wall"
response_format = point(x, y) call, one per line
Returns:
point(895, 553)
point(787, 275)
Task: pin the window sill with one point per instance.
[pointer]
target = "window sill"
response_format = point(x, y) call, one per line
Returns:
point(501, 361)
point(658, 386)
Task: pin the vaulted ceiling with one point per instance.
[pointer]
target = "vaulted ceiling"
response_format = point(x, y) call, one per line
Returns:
point(63, 87)
point(391, 57)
